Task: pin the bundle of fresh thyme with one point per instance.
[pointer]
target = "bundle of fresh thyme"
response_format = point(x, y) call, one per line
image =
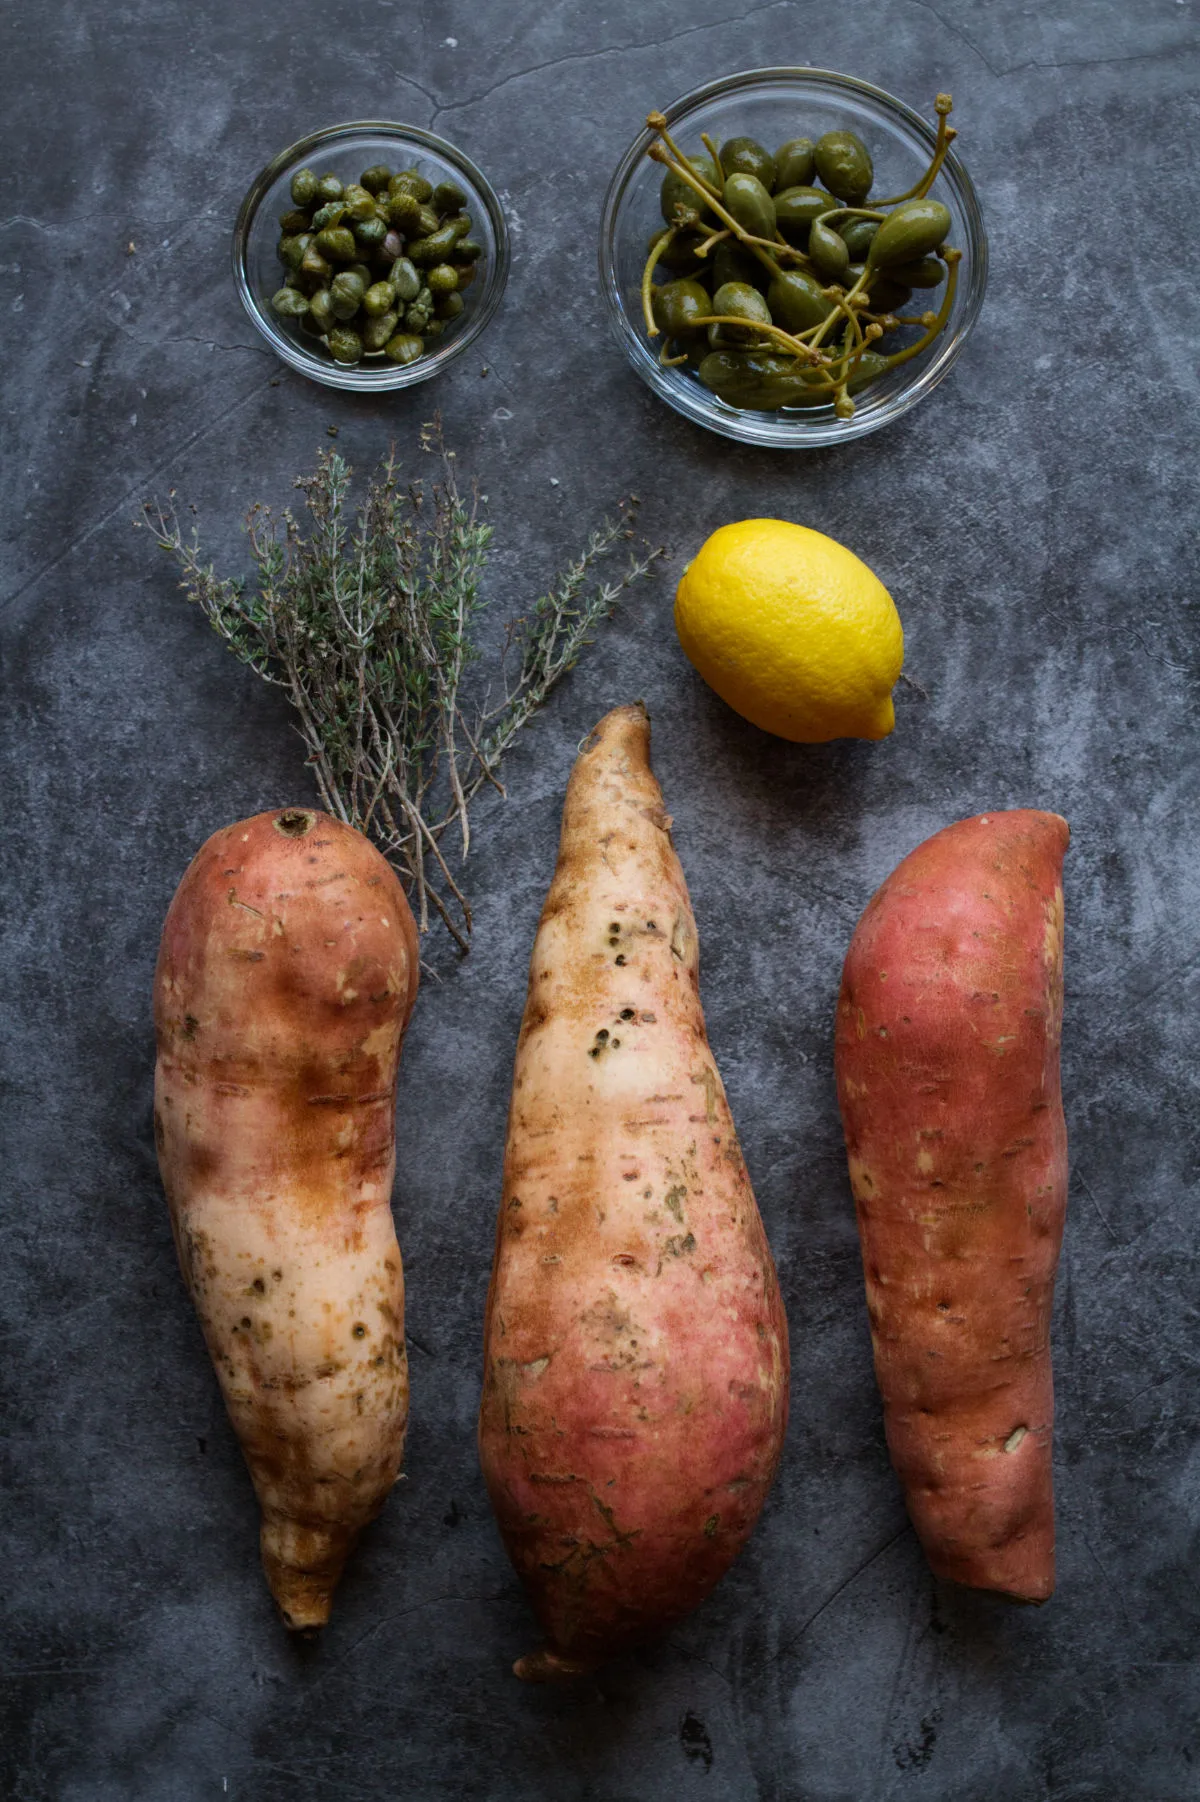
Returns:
point(367, 624)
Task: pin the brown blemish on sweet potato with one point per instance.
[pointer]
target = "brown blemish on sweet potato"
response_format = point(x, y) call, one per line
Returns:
point(649, 1400)
point(276, 1137)
point(969, 1229)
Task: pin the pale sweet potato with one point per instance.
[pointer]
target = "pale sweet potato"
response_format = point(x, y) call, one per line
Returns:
point(285, 980)
point(947, 1059)
point(636, 1357)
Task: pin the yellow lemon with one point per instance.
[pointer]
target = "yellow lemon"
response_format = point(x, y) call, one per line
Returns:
point(792, 630)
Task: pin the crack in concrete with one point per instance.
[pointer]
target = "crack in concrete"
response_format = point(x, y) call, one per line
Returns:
point(259, 350)
point(955, 32)
point(844, 1584)
point(1103, 62)
point(1082, 62)
point(1082, 1180)
point(130, 495)
point(587, 56)
point(435, 103)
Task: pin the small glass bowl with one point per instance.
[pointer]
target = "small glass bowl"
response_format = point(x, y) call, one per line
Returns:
point(774, 105)
point(345, 151)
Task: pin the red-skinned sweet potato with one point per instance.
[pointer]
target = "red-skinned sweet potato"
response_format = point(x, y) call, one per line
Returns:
point(636, 1358)
point(947, 1061)
point(285, 980)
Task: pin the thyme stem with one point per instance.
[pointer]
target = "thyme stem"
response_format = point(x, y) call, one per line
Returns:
point(370, 631)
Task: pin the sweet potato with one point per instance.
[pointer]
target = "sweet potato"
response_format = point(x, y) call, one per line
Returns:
point(285, 980)
point(947, 1059)
point(636, 1358)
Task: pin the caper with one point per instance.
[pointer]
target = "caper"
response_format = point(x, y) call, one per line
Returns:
point(872, 261)
point(761, 379)
point(888, 296)
point(678, 305)
point(417, 317)
point(844, 165)
point(928, 272)
point(678, 200)
point(795, 210)
point(409, 181)
point(360, 202)
point(856, 235)
point(405, 280)
point(434, 248)
point(314, 265)
point(797, 301)
point(747, 200)
point(746, 156)
point(827, 250)
point(404, 210)
point(379, 298)
point(678, 253)
point(870, 366)
point(337, 243)
point(910, 233)
point(794, 164)
point(448, 197)
point(376, 332)
point(289, 304)
point(405, 347)
point(332, 213)
point(744, 302)
point(370, 232)
point(675, 253)
point(347, 270)
point(320, 307)
point(345, 294)
point(730, 263)
point(345, 345)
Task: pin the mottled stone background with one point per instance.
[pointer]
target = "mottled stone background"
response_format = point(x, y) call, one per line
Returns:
point(1035, 520)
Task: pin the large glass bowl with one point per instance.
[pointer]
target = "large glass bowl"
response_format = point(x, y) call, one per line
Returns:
point(774, 105)
point(345, 151)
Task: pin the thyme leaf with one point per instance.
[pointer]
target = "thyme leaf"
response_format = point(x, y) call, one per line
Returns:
point(367, 620)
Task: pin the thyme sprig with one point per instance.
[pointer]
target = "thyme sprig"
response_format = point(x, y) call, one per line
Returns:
point(367, 622)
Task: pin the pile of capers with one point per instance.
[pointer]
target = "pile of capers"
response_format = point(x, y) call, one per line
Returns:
point(375, 267)
point(783, 275)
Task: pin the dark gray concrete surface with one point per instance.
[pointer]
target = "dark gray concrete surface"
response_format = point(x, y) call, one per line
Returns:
point(1035, 520)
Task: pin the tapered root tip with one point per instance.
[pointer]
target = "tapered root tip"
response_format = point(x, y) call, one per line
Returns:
point(550, 1667)
point(302, 1566)
point(624, 729)
point(303, 1607)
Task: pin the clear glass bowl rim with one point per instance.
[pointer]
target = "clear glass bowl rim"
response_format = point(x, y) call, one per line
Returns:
point(793, 433)
point(382, 377)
